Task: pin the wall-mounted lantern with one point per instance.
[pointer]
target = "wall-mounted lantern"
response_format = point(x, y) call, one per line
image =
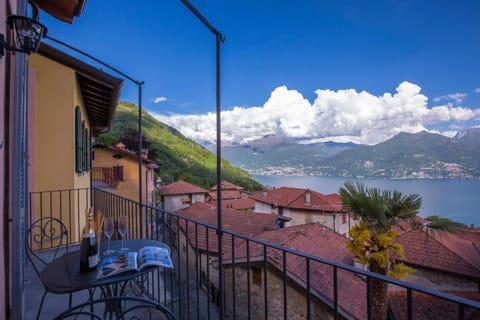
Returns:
point(28, 34)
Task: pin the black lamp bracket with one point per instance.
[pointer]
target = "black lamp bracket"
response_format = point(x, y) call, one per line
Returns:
point(4, 45)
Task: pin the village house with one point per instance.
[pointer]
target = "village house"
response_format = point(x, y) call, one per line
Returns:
point(229, 191)
point(242, 269)
point(180, 194)
point(304, 206)
point(446, 262)
point(114, 168)
point(63, 116)
point(312, 239)
point(199, 245)
point(233, 197)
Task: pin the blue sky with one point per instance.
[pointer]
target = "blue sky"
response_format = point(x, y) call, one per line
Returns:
point(357, 71)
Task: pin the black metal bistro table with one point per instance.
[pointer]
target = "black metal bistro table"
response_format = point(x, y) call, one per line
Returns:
point(63, 275)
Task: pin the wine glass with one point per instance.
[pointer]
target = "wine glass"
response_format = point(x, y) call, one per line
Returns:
point(122, 229)
point(108, 228)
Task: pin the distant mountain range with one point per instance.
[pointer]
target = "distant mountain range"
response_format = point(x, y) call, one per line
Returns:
point(421, 155)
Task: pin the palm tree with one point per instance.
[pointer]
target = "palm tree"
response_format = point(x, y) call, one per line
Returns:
point(373, 238)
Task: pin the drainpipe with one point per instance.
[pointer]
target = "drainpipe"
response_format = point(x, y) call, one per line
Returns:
point(17, 181)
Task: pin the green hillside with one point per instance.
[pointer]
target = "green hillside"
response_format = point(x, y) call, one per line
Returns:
point(178, 156)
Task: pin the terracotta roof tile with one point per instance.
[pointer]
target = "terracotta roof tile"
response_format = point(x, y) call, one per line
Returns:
point(226, 185)
point(245, 223)
point(238, 204)
point(318, 241)
point(428, 307)
point(181, 187)
point(443, 252)
point(226, 194)
point(297, 198)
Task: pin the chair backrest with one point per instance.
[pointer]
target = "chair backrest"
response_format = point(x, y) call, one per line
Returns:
point(44, 240)
point(121, 307)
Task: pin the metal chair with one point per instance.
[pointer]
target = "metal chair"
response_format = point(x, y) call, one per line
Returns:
point(121, 307)
point(44, 240)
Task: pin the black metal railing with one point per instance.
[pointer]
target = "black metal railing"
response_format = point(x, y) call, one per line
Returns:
point(106, 177)
point(259, 279)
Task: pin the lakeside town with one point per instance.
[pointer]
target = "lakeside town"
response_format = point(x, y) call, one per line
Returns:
point(298, 215)
point(111, 209)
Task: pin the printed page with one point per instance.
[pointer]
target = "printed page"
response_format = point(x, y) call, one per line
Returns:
point(154, 256)
point(117, 264)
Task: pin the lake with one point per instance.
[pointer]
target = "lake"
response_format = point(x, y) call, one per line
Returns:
point(458, 200)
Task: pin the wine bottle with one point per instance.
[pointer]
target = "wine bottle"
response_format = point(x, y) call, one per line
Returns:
point(88, 250)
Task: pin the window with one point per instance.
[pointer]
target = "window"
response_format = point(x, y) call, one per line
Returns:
point(87, 151)
point(83, 159)
point(78, 140)
point(118, 173)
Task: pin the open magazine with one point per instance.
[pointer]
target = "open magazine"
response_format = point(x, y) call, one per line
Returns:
point(131, 261)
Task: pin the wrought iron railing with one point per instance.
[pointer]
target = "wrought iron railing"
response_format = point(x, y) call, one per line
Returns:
point(257, 278)
point(106, 177)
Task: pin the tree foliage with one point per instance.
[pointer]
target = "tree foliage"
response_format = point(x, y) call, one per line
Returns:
point(373, 238)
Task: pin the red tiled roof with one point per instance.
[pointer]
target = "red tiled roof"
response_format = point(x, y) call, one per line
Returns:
point(226, 194)
point(321, 242)
point(449, 252)
point(472, 235)
point(238, 204)
point(181, 187)
point(245, 223)
point(123, 153)
point(428, 307)
point(297, 198)
point(226, 185)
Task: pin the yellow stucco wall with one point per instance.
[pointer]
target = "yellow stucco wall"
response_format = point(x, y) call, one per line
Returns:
point(54, 94)
point(52, 146)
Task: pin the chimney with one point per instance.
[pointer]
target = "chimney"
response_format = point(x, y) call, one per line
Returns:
point(120, 146)
point(144, 153)
point(264, 194)
point(308, 198)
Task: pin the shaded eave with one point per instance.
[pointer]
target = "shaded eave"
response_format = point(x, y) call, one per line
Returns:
point(100, 91)
point(64, 10)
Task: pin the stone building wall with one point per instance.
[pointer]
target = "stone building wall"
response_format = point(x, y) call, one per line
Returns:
point(443, 281)
point(296, 297)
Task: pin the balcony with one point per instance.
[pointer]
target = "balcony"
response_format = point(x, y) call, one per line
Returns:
point(259, 279)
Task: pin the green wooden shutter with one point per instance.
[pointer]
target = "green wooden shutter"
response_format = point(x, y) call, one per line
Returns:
point(78, 140)
point(88, 151)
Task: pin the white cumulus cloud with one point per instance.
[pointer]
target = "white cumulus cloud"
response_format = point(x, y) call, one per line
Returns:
point(342, 116)
point(477, 90)
point(457, 97)
point(159, 99)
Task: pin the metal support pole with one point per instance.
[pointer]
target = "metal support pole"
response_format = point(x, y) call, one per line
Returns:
point(219, 182)
point(218, 40)
point(140, 145)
